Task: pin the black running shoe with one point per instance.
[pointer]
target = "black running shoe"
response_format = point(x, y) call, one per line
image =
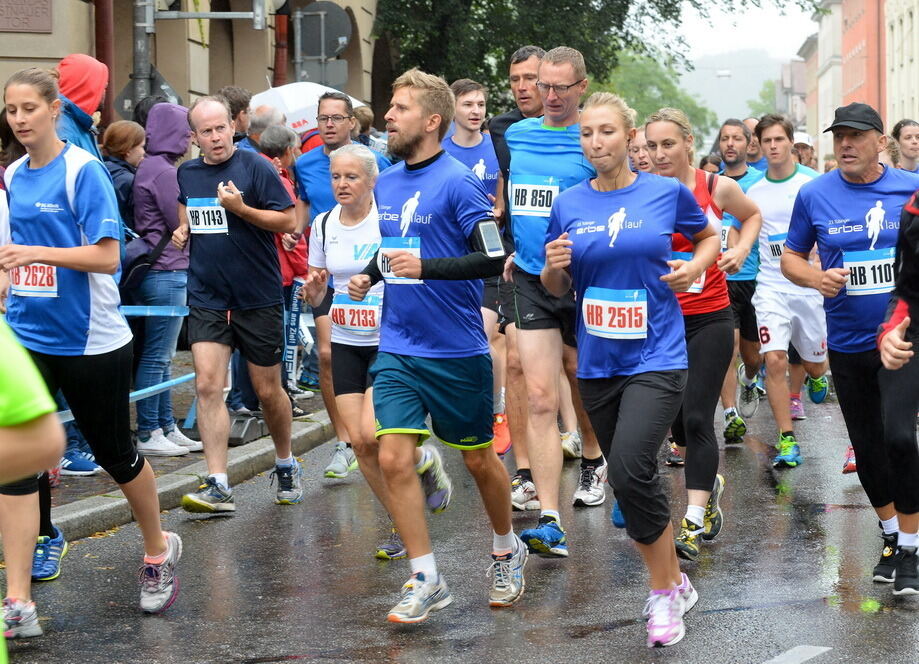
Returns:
point(885, 570)
point(906, 581)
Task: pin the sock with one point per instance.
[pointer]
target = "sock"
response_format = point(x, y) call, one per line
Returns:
point(788, 433)
point(143, 436)
point(426, 565)
point(221, 479)
point(497, 402)
point(525, 474)
point(156, 560)
point(795, 395)
point(891, 525)
point(696, 514)
point(284, 463)
point(747, 381)
point(425, 457)
point(907, 539)
point(730, 412)
point(168, 431)
point(552, 514)
point(503, 544)
point(591, 463)
point(45, 527)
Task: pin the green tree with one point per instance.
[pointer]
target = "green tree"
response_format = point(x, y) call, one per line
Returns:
point(765, 103)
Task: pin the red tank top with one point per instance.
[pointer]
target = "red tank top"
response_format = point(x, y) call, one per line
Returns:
point(714, 295)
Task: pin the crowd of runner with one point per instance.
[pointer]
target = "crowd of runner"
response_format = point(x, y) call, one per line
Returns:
point(558, 281)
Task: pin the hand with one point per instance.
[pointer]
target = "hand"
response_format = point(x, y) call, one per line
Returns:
point(358, 286)
point(230, 198)
point(180, 236)
point(509, 268)
point(733, 259)
point(683, 275)
point(895, 350)
point(404, 264)
point(833, 281)
point(558, 252)
point(317, 281)
point(496, 211)
point(290, 240)
point(17, 255)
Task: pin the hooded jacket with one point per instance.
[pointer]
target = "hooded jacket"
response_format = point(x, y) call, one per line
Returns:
point(83, 80)
point(156, 185)
point(123, 177)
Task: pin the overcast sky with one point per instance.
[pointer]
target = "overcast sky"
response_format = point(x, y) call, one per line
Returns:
point(779, 34)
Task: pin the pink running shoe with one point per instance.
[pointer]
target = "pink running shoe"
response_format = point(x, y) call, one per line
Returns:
point(797, 409)
point(688, 592)
point(664, 610)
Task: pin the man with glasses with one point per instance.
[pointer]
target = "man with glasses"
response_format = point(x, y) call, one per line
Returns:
point(546, 159)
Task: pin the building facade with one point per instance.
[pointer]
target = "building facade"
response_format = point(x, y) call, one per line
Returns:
point(829, 72)
point(901, 64)
point(863, 54)
point(808, 53)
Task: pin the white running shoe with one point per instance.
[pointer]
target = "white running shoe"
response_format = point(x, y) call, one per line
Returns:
point(590, 491)
point(523, 494)
point(159, 445)
point(176, 437)
point(571, 445)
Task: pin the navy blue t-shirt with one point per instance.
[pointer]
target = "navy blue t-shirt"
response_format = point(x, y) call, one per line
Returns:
point(232, 263)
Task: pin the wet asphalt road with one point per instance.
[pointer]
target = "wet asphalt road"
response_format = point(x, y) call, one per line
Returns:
point(280, 584)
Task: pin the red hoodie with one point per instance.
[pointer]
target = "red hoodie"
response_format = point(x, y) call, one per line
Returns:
point(83, 81)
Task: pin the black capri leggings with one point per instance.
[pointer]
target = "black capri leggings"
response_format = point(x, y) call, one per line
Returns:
point(710, 345)
point(630, 415)
point(97, 387)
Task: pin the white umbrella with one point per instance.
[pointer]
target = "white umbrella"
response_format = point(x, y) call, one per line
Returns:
point(298, 102)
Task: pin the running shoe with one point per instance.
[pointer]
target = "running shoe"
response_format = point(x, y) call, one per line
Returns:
point(78, 464)
point(159, 585)
point(761, 379)
point(419, 598)
point(158, 445)
point(616, 516)
point(797, 409)
point(885, 570)
point(906, 576)
point(308, 382)
point(817, 388)
point(343, 461)
point(789, 454)
point(688, 592)
point(674, 458)
point(591, 491)
point(849, 466)
point(54, 476)
point(176, 437)
point(734, 427)
point(296, 411)
point(502, 434)
point(523, 494)
point(506, 572)
point(46, 560)
point(687, 541)
point(438, 489)
point(393, 548)
point(571, 445)
point(547, 539)
point(209, 498)
point(290, 483)
point(20, 620)
point(750, 395)
point(664, 610)
point(714, 517)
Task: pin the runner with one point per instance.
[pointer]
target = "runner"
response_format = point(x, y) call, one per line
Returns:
point(804, 144)
point(238, 99)
point(433, 357)
point(631, 350)
point(638, 153)
point(60, 262)
point(785, 312)
point(878, 405)
point(906, 134)
point(755, 157)
point(546, 159)
point(231, 202)
point(708, 321)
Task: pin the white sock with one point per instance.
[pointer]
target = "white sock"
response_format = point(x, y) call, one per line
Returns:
point(425, 456)
point(284, 463)
point(502, 544)
point(747, 381)
point(221, 479)
point(426, 565)
point(696, 514)
point(730, 412)
point(497, 401)
point(552, 513)
point(907, 539)
point(891, 525)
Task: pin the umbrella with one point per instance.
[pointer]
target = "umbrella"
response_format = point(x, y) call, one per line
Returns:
point(298, 102)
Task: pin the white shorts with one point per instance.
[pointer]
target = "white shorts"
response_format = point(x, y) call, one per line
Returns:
point(784, 318)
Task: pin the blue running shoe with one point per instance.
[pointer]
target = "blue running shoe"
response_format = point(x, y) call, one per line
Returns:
point(761, 378)
point(547, 539)
point(817, 388)
point(46, 560)
point(81, 464)
point(789, 454)
point(616, 516)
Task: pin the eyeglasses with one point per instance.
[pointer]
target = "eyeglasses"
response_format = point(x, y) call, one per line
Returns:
point(336, 119)
point(557, 89)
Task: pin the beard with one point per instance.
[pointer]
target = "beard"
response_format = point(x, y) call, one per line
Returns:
point(403, 146)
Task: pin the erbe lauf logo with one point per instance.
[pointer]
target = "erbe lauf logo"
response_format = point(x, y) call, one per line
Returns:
point(48, 207)
point(874, 219)
point(614, 225)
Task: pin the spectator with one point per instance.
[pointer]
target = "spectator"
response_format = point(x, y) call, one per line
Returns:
point(711, 163)
point(123, 150)
point(262, 118)
point(142, 108)
point(238, 100)
point(82, 88)
point(365, 136)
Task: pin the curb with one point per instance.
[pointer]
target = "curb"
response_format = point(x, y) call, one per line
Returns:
point(98, 513)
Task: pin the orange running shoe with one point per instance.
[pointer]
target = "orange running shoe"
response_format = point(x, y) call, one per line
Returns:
point(848, 466)
point(502, 434)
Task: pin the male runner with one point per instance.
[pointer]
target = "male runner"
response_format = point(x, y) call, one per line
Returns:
point(755, 156)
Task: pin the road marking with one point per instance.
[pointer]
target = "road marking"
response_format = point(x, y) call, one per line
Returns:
point(798, 654)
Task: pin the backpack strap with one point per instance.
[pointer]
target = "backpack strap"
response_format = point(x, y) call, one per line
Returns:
point(322, 226)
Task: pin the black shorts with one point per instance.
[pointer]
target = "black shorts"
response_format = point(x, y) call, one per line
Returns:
point(537, 309)
point(490, 296)
point(507, 312)
point(741, 294)
point(325, 306)
point(351, 368)
point(256, 333)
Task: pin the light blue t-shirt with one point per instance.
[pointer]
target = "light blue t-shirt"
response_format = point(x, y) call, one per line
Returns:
point(480, 159)
point(751, 265)
point(628, 320)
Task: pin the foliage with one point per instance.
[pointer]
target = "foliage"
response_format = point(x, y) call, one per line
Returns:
point(765, 103)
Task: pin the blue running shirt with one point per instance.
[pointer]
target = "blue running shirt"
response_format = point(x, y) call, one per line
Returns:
point(431, 211)
point(854, 226)
point(69, 202)
point(480, 159)
point(751, 265)
point(628, 320)
point(545, 161)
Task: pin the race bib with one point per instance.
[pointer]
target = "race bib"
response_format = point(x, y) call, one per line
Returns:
point(35, 280)
point(410, 244)
point(615, 314)
point(206, 215)
point(776, 244)
point(871, 272)
point(532, 195)
point(725, 229)
point(358, 317)
point(699, 283)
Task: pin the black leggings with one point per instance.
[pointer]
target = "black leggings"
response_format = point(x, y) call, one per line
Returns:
point(97, 387)
point(630, 415)
point(710, 346)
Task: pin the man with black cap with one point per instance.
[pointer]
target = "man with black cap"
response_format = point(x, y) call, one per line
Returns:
point(853, 215)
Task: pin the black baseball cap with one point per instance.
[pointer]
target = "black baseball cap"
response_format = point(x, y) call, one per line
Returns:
point(857, 116)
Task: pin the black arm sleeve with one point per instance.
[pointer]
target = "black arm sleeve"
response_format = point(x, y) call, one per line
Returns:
point(373, 270)
point(475, 265)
